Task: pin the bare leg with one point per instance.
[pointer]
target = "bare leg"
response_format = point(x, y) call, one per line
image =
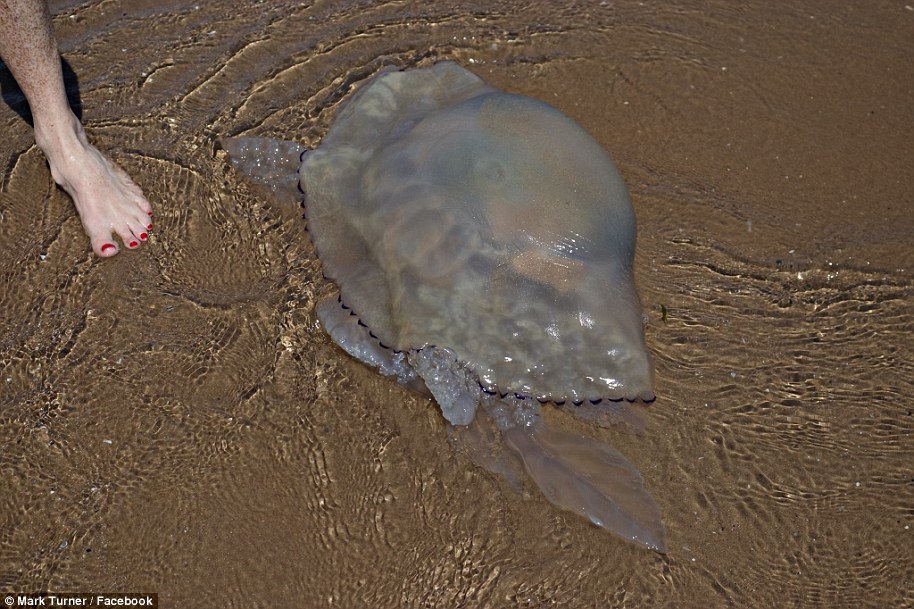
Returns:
point(106, 199)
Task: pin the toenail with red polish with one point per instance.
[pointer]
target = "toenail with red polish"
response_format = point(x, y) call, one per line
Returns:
point(133, 244)
point(143, 236)
point(149, 227)
point(149, 212)
point(106, 246)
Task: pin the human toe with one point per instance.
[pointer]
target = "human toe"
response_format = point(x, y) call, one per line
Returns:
point(135, 194)
point(103, 245)
point(144, 207)
point(140, 229)
point(130, 240)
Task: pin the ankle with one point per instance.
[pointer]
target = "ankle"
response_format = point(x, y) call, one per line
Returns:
point(59, 135)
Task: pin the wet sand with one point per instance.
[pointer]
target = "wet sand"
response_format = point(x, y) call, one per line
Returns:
point(174, 420)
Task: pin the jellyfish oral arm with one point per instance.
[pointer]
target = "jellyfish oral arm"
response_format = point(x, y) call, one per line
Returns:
point(270, 164)
point(581, 475)
point(455, 388)
point(355, 339)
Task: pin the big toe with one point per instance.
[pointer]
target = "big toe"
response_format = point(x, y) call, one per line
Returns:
point(103, 245)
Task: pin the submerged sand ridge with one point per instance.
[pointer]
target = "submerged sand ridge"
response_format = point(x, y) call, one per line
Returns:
point(174, 419)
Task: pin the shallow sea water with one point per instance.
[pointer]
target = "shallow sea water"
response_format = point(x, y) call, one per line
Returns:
point(174, 420)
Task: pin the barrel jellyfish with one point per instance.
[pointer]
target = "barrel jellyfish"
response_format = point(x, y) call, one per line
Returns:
point(482, 243)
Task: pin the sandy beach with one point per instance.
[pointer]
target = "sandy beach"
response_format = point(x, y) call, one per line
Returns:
point(174, 419)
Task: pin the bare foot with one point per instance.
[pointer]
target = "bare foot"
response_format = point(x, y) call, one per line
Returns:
point(107, 200)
